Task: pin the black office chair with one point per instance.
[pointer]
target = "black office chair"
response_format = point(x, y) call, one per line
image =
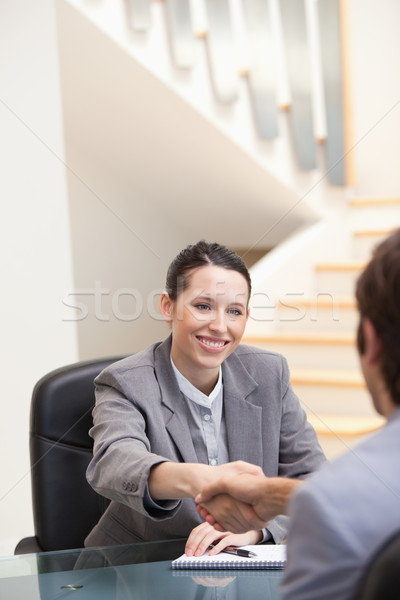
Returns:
point(381, 580)
point(65, 507)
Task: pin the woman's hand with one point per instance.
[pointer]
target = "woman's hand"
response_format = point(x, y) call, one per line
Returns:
point(170, 480)
point(204, 535)
point(211, 476)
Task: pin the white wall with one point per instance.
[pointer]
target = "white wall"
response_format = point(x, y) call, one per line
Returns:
point(121, 250)
point(375, 83)
point(34, 242)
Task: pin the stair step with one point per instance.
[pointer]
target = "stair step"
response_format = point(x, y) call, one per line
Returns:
point(322, 300)
point(374, 201)
point(373, 232)
point(334, 425)
point(311, 349)
point(350, 265)
point(326, 311)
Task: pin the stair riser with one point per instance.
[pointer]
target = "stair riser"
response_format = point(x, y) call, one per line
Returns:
point(363, 246)
point(341, 401)
point(333, 446)
point(375, 217)
point(318, 356)
point(337, 283)
point(317, 319)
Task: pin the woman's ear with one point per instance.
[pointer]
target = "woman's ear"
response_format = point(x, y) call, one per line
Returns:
point(166, 306)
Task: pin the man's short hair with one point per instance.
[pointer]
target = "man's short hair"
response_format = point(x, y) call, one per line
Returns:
point(378, 298)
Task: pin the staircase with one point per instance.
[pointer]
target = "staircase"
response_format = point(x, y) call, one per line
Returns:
point(317, 333)
point(162, 112)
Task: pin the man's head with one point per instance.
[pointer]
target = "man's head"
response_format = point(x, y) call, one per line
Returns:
point(378, 298)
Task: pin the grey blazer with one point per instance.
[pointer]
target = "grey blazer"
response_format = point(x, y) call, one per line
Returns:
point(342, 516)
point(140, 421)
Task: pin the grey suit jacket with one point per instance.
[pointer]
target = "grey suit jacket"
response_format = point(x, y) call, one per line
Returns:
point(140, 421)
point(342, 516)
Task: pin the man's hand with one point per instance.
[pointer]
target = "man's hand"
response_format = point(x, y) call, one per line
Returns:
point(246, 501)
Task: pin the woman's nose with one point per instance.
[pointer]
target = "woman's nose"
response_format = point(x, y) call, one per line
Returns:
point(218, 323)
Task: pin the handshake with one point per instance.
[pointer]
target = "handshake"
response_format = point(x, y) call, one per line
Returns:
point(241, 497)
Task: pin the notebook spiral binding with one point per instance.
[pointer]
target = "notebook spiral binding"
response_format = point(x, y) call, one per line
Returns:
point(231, 564)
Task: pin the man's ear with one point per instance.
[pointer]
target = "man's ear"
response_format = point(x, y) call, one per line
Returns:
point(373, 344)
point(166, 307)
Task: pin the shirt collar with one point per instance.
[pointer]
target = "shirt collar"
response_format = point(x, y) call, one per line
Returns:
point(191, 392)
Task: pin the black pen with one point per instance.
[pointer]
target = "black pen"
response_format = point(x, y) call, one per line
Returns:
point(237, 551)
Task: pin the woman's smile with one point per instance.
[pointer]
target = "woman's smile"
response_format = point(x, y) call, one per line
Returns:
point(212, 344)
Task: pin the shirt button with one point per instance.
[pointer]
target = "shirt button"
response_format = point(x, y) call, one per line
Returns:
point(213, 462)
point(207, 417)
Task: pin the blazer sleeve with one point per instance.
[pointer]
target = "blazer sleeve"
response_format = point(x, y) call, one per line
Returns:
point(122, 452)
point(322, 558)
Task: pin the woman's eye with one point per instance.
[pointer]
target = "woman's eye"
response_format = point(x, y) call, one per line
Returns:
point(203, 307)
point(234, 311)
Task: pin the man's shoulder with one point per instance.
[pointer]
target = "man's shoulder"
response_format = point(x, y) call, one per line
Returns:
point(335, 480)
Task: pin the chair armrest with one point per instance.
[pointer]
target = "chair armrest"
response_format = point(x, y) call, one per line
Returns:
point(28, 545)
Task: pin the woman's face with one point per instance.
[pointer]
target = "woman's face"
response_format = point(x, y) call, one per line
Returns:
point(208, 320)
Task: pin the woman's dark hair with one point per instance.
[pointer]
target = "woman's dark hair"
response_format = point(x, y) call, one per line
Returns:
point(378, 298)
point(200, 255)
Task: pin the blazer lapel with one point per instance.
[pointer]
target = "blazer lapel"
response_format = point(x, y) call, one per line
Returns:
point(243, 419)
point(174, 410)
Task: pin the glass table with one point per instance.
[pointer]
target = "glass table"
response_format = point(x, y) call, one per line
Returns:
point(131, 572)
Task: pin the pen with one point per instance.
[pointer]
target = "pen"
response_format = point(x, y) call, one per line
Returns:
point(237, 551)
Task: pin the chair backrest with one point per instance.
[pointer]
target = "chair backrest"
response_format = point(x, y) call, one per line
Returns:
point(65, 507)
point(381, 580)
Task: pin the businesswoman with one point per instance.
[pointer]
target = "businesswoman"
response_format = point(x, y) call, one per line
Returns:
point(193, 408)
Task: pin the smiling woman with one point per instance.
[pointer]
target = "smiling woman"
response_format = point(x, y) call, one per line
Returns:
point(208, 320)
point(193, 409)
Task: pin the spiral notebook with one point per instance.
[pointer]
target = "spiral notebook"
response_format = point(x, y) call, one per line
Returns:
point(268, 557)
